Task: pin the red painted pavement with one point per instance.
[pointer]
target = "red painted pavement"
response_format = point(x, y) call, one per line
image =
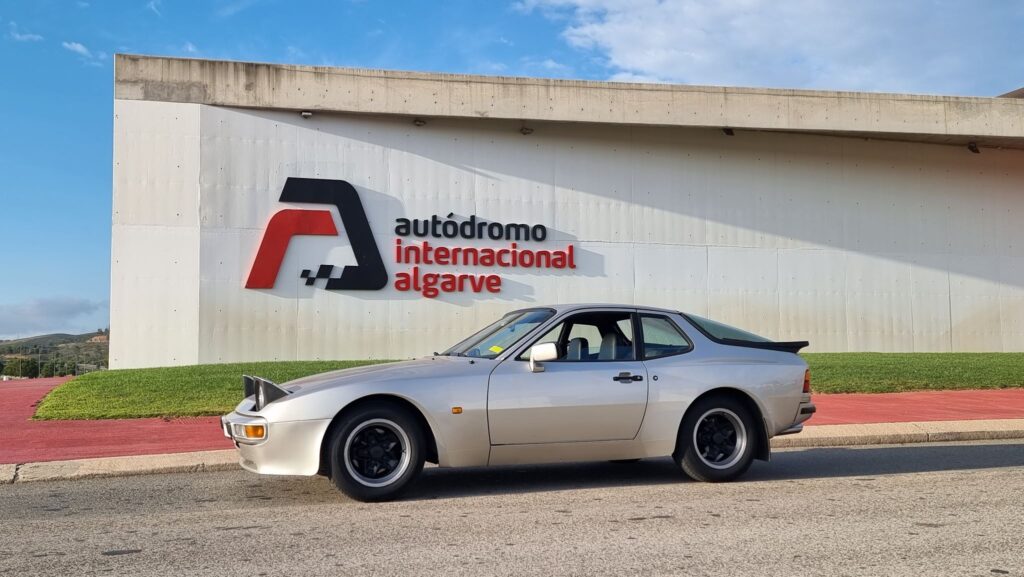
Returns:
point(918, 406)
point(25, 441)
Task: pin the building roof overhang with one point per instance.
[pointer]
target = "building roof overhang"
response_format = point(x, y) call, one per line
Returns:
point(988, 122)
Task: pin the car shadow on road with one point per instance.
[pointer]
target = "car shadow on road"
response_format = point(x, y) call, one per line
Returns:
point(888, 460)
point(438, 483)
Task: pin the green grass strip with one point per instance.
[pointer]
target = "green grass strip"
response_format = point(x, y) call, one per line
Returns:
point(897, 372)
point(170, 391)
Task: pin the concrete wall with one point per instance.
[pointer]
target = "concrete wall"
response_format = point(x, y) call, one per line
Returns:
point(154, 260)
point(855, 245)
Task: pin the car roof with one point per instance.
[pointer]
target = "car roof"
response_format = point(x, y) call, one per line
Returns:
point(577, 306)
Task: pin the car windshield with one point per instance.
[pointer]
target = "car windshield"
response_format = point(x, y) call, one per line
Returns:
point(496, 337)
point(717, 330)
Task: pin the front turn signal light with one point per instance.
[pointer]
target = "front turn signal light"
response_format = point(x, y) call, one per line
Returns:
point(250, 432)
point(255, 431)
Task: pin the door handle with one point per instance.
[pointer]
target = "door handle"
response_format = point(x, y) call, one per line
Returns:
point(627, 378)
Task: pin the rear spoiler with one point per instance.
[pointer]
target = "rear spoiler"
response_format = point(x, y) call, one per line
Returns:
point(786, 347)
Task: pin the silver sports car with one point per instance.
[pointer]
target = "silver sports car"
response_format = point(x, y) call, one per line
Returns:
point(540, 385)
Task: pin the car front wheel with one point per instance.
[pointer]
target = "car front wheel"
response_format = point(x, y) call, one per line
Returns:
point(717, 440)
point(376, 452)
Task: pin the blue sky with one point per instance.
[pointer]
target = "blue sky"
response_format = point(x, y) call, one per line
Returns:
point(57, 99)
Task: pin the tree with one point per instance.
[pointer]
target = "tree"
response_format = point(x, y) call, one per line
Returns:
point(22, 367)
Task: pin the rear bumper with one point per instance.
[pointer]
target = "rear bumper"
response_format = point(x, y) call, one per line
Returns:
point(804, 411)
point(290, 447)
point(793, 430)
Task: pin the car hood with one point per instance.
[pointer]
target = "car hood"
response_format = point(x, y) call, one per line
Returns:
point(416, 369)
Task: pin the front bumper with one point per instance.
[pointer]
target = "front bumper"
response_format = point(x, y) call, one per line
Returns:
point(289, 448)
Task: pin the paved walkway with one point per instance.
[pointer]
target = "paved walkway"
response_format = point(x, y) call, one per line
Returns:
point(23, 440)
point(919, 406)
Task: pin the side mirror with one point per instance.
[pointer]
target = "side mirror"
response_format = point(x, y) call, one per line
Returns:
point(540, 353)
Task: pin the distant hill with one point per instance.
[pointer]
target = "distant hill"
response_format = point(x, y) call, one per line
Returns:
point(46, 341)
point(57, 353)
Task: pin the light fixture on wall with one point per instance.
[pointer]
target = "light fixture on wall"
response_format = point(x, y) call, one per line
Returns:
point(526, 131)
point(419, 121)
point(728, 132)
point(973, 147)
point(306, 114)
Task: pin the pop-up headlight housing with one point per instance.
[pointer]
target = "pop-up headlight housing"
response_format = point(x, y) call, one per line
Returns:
point(264, 391)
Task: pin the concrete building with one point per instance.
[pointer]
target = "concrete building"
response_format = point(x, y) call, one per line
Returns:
point(293, 212)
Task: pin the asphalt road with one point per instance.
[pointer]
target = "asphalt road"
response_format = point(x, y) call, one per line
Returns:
point(954, 509)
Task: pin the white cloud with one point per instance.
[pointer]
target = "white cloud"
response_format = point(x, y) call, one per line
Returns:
point(51, 315)
point(190, 48)
point(18, 36)
point(77, 48)
point(295, 53)
point(82, 4)
point(234, 7)
point(543, 67)
point(549, 64)
point(154, 6)
point(913, 46)
point(89, 57)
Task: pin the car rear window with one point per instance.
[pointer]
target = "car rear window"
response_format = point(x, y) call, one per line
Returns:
point(719, 331)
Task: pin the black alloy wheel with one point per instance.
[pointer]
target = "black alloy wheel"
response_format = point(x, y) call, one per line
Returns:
point(717, 439)
point(376, 451)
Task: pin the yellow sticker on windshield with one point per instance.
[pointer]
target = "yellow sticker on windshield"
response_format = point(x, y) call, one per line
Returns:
point(495, 349)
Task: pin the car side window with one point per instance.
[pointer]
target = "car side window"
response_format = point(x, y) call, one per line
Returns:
point(583, 339)
point(591, 337)
point(662, 338)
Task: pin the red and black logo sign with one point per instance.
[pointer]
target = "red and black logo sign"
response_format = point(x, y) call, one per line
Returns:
point(368, 273)
point(421, 245)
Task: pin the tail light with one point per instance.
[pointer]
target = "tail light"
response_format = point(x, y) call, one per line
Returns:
point(807, 382)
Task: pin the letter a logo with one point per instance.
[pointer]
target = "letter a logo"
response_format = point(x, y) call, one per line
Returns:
point(367, 274)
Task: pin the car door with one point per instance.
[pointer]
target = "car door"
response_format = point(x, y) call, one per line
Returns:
point(595, 391)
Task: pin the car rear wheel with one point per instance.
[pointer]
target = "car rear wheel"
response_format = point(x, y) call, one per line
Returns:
point(717, 440)
point(376, 452)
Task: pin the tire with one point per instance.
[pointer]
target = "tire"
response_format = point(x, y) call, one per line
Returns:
point(394, 447)
point(717, 440)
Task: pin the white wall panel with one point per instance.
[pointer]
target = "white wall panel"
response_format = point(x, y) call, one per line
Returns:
point(812, 297)
point(975, 306)
point(743, 288)
point(154, 296)
point(852, 244)
point(156, 160)
point(672, 276)
point(929, 277)
point(154, 259)
point(878, 304)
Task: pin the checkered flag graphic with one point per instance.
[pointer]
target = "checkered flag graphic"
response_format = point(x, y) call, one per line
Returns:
point(324, 272)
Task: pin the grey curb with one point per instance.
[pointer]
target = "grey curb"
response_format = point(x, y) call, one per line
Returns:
point(122, 466)
point(812, 436)
point(898, 433)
